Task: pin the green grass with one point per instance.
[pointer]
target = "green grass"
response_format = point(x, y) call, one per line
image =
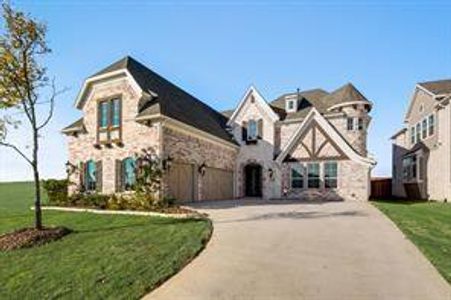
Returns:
point(108, 256)
point(427, 225)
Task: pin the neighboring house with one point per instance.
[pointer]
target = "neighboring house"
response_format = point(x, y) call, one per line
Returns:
point(422, 149)
point(303, 145)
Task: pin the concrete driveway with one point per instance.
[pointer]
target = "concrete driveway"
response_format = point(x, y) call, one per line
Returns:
point(286, 250)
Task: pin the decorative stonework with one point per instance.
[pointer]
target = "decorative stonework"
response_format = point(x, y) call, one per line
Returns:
point(135, 136)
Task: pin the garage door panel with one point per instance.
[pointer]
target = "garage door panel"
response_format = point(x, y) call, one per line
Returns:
point(217, 184)
point(181, 181)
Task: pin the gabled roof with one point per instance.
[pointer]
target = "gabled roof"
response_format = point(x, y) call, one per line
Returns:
point(169, 100)
point(437, 87)
point(320, 99)
point(315, 115)
point(253, 92)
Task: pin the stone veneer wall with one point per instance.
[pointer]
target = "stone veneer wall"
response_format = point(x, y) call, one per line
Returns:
point(135, 136)
point(191, 149)
point(353, 184)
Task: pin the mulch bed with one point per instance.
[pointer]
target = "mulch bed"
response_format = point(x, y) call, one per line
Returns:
point(31, 237)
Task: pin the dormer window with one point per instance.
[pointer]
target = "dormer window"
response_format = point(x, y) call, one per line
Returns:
point(291, 105)
point(109, 121)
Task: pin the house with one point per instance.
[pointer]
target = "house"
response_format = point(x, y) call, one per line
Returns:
point(421, 149)
point(303, 145)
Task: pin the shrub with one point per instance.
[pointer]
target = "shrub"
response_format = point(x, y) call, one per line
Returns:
point(56, 190)
point(89, 200)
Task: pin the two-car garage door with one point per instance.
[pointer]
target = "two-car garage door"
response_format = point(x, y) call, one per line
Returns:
point(216, 183)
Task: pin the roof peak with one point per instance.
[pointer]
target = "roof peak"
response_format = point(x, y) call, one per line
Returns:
point(122, 63)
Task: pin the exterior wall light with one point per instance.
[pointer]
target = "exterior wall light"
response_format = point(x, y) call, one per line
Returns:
point(70, 168)
point(167, 163)
point(202, 168)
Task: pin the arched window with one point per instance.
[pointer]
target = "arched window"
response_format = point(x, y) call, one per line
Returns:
point(90, 175)
point(129, 173)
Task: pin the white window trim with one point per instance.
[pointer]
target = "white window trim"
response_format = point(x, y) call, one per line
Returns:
point(419, 136)
point(304, 168)
point(293, 102)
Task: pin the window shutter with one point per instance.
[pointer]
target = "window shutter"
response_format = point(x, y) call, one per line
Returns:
point(260, 129)
point(244, 131)
point(99, 172)
point(81, 186)
point(119, 179)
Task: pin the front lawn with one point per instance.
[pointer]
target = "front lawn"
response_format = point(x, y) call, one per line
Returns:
point(427, 225)
point(108, 256)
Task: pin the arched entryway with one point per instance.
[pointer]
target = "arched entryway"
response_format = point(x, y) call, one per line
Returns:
point(253, 180)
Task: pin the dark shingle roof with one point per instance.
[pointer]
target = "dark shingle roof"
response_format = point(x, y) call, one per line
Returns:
point(227, 113)
point(171, 100)
point(309, 98)
point(437, 87)
point(319, 99)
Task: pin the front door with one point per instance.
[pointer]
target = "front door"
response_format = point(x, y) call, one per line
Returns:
point(253, 175)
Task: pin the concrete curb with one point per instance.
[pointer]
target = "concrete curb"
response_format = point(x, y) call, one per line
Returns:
point(120, 212)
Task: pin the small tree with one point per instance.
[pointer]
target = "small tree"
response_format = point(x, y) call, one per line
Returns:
point(149, 172)
point(22, 82)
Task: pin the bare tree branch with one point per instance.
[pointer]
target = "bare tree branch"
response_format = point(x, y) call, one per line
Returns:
point(55, 94)
point(15, 148)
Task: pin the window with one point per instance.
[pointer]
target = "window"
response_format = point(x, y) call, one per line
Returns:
point(409, 165)
point(109, 120)
point(129, 173)
point(290, 105)
point(313, 175)
point(418, 132)
point(297, 177)
point(360, 124)
point(330, 175)
point(90, 176)
point(252, 130)
point(424, 129)
point(116, 113)
point(350, 125)
point(431, 123)
point(103, 115)
point(412, 135)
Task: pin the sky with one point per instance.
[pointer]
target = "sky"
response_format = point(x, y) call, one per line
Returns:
point(216, 50)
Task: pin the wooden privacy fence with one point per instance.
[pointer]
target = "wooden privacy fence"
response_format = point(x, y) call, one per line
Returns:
point(381, 188)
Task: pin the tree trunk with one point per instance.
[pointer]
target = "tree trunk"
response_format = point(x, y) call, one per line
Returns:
point(37, 185)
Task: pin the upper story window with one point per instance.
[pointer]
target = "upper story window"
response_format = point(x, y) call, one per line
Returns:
point(418, 132)
point(350, 124)
point(360, 123)
point(252, 130)
point(291, 103)
point(423, 129)
point(412, 135)
point(355, 124)
point(109, 120)
point(431, 124)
